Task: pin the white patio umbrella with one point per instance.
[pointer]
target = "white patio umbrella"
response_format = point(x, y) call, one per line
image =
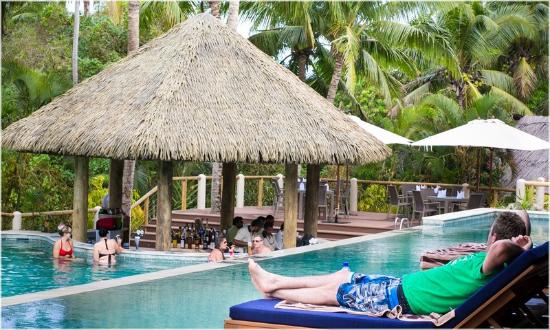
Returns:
point(489, 133)
point(381, 134)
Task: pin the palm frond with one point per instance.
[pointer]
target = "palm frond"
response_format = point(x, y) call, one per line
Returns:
point(524, 78)
point(416, 95)
point(500, 80)
point(517, 105)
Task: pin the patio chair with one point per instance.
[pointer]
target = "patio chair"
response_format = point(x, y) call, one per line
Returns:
point(399, 201)
point(323, 205)
point(474, 202)
point(523, 278)
point(279, 196)
point(422, 207)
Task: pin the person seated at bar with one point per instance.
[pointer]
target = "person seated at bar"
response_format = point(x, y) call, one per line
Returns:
point(219, 246)
point(270, 219)
point(63, 248)
point(437, 290)
point(258, 246)
point(269, 238)
point(106, 249)
point(232, 231)
point(244, 235)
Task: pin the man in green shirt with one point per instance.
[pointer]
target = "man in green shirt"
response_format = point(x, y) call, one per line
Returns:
point(232, 231)
point(436, 290)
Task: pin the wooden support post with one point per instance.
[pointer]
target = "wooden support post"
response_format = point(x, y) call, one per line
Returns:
point(184, 195)
point(291, 206)
point(80, 199)
point(312, 200)
point(164, 206)
point(229, 172)
point(116, 169)
point(260, 192)
point(146, 211)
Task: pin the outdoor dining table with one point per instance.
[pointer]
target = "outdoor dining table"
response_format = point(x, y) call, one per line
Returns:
point(448, 200)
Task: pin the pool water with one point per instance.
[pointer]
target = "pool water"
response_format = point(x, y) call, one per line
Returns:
point(28, 266)
point(202, 299)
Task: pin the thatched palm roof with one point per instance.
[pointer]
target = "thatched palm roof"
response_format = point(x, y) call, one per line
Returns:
point(200, 92)
point(529, 165)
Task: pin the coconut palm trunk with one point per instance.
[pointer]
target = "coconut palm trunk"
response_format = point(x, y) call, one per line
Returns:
point(214, 8)
point(336, 74)
point(331, 95)
point(232, 21)
point(233, 14)
point(76, 28)
point(130, 165)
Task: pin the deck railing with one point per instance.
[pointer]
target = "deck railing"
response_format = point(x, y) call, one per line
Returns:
point(198, 184)
point(191, 192)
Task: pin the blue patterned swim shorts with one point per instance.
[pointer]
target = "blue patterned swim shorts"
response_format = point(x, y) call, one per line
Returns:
point(369, 293)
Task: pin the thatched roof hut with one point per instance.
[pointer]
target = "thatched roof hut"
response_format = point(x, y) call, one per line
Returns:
point(200, 92)
point(529, 165)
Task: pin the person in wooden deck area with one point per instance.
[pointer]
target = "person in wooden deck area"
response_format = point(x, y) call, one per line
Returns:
point(438, 290)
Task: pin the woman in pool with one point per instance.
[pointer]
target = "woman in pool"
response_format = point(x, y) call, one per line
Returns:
point(217, 253)
point(106, 249)
point(63, 248)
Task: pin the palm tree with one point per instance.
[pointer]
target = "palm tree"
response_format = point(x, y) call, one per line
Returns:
point(479, 34)
point(130, 165)
point(76, 28)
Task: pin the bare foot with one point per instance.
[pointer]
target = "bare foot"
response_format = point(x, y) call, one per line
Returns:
point(264, 281)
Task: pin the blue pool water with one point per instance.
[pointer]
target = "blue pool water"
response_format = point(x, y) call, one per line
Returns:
point(28, 266)
point(202, 299)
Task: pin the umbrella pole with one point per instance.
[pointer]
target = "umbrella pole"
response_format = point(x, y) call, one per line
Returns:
point(337, 208)
point(491, 172)
point(478, 168)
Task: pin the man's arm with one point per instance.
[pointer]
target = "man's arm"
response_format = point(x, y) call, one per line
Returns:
point(503, 251)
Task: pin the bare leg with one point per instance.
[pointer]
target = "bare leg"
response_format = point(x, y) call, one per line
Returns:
point(267, 282)
point(324, 295)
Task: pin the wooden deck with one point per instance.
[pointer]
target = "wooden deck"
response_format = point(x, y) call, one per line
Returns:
point(363, 223)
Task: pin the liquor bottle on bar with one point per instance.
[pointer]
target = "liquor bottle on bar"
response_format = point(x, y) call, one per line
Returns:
point(182, 238)
point(206, 242)
point(189, 238)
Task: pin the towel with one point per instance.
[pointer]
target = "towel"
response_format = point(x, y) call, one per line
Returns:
point(395, 313)
point(435, 258)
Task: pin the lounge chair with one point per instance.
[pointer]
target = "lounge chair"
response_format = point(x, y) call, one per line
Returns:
point(525, 277)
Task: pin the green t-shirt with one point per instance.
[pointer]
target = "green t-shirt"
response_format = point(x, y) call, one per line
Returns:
point(444, 288)
point(231, 232)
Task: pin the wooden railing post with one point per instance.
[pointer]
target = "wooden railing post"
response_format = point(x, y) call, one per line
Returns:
point(16, 221)
point(184, 195)
point(261, 192)
point(520, 190)
point(201, 192)
point(240, 191)
point(146, 210)
point(539, 197)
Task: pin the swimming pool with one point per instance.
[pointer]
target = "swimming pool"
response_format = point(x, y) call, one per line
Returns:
point(202, 299)
point(28, 266)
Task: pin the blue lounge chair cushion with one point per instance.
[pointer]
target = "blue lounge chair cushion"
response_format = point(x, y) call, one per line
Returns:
point(263, 310)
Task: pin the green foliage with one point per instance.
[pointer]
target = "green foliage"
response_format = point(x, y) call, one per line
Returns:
point(373, 199)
